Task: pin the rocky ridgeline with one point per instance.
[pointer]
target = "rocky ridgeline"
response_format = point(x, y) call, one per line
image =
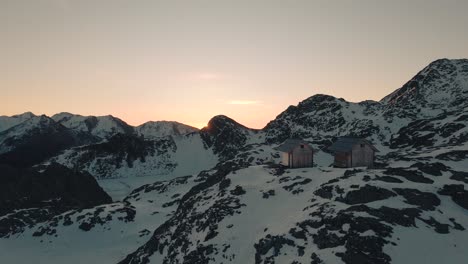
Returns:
point(428, 111)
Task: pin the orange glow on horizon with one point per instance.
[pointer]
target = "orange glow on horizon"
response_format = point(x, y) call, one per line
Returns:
point(249, 60)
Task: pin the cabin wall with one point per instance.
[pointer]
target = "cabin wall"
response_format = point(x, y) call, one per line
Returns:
point(342, 160)
point(302, 157)
point(362, 156)
point(285, 158)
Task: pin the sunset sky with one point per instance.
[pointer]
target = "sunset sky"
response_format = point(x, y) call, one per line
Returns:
point(187, 61)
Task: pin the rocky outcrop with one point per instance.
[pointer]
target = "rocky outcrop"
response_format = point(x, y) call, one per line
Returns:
point(30, 196)
point(225, 136)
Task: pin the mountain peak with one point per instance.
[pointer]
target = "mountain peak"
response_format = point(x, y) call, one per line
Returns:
point(314, 103)
point(221, 121)
point(444, 62)
point(319, 98)
point(23, 116)
point(7, 122)
point(62, 114)
point(441, 84)
point(156, 129)
point(26, 115)
point(225, 135)
point(445, 66)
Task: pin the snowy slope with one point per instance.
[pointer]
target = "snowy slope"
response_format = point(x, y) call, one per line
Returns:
point(262, 214)
point(103, 234)
point(239, 213)
point(127, 156)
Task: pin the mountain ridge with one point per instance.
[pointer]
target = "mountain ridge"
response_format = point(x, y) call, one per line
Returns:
point(447, 66)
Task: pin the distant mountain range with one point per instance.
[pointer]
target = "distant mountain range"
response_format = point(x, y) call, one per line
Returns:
point(217, 195)
point(103, 127)
point(36, 138)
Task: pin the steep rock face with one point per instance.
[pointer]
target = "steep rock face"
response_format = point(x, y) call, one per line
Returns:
point(35, 140)
point(436, 101)
point(438, 95)
point(152, 130)
point(29, 188)
point(29, 196)
point(321, 118)
point(226, 136)
point(439, 87)
point(102, 127)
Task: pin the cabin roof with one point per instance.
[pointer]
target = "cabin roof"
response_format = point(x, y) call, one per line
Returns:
point(345, 144)
point(289, 144)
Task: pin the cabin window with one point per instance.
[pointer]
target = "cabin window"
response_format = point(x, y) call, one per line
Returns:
point(302, 146)
point(362, 145)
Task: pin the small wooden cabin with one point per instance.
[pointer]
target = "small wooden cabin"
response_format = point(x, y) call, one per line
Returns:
point(296, 153)
point(353, 152)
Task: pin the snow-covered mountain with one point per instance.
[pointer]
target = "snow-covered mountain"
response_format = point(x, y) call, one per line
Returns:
point(226, 137)
point(321, 118)
point(157, 129)
point(28, 139)
point(436, 95)
point(440, 87)
point(131, 155)
point(218, 196)
point(10, 121)
point(102, 127)
point(124, 156)
point(37, 139)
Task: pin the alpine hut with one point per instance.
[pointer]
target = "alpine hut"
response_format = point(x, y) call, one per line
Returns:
point(353, 152)
point(296, 153)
